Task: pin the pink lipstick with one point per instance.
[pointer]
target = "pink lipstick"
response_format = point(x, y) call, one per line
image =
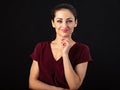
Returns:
point(64, 30)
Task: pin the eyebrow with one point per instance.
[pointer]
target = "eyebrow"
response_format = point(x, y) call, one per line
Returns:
point(67, 18)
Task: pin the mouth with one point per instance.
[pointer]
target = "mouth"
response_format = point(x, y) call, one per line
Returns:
point(64, 30)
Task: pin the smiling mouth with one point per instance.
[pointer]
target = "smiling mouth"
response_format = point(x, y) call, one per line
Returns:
point(64, 30)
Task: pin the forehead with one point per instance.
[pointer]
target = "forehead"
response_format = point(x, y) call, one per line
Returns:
point(64, 13)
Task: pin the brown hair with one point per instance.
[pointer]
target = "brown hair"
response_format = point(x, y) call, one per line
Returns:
point(63, 6)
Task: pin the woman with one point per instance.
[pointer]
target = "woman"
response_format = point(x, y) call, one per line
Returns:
point(60, 64)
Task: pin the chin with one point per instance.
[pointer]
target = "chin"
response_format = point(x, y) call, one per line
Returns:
point(65, 35)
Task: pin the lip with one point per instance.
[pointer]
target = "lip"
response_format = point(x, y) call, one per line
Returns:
point(64, 30)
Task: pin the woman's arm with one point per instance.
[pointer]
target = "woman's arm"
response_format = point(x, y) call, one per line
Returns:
point(74, 77)
point(36, 84)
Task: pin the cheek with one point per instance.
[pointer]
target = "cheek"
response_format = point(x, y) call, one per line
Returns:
point(58, 27)
point(72, 29)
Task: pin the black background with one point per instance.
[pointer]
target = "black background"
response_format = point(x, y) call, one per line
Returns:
point(27, 22)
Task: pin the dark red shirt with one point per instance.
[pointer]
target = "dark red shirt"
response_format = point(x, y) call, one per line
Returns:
point(52, 71)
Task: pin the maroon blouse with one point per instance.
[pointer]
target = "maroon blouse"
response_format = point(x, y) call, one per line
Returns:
point(52, 71)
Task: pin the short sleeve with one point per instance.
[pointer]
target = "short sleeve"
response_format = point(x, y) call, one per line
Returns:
point(36, 53)
point(83, 54)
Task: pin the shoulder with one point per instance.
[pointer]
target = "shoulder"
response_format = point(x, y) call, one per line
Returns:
point(42, 44)
point(82, 45)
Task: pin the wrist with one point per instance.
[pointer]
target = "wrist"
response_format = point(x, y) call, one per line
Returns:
point(65, 55)
point(57, 88)
point(53, 88)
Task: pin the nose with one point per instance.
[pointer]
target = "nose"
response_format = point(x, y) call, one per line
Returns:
point(64, 24)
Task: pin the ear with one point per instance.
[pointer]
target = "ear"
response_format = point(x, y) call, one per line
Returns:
point(76, 23)
point(52, 23)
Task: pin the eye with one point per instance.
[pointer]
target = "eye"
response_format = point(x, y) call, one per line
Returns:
point(69, 21)
point(59, 21)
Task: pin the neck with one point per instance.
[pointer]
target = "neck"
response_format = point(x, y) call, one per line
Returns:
point(58, 39)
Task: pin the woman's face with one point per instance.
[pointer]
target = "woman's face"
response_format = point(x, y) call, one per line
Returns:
point(64, 23)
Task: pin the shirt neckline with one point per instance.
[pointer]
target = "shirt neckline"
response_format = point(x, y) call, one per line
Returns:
point(59, 59)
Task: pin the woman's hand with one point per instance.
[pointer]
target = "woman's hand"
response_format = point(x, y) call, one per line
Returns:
point(65, 46)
